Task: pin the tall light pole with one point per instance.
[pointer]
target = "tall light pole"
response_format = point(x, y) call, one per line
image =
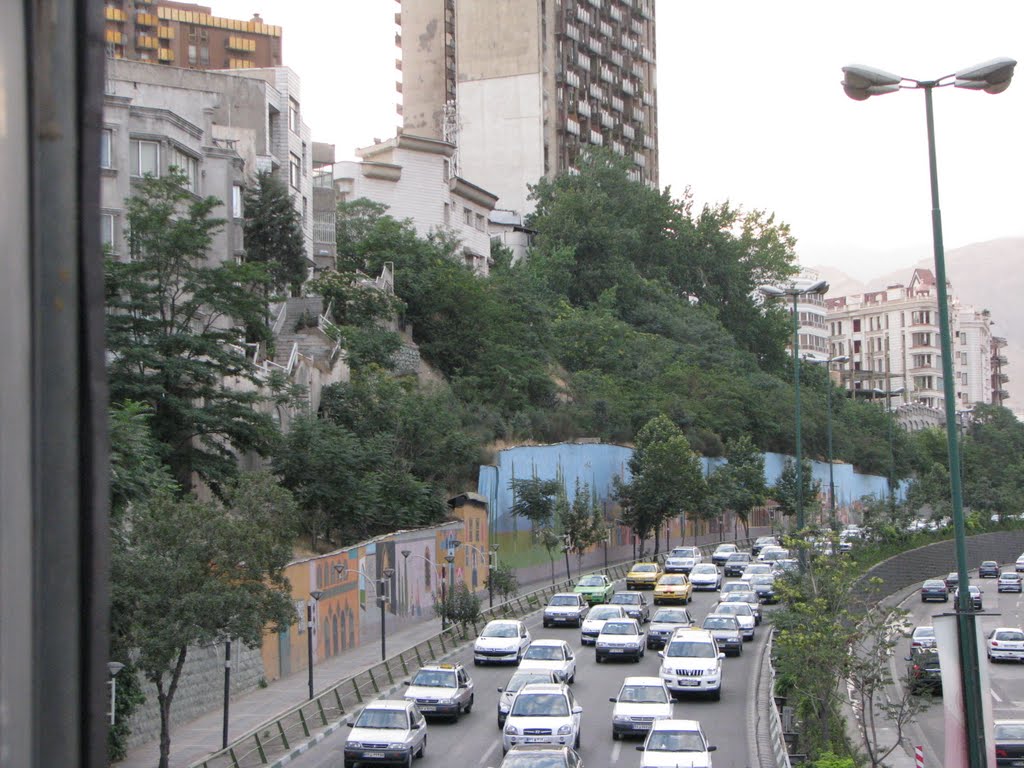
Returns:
point(993, 76)
point(832, 519)
point(315, 596)
point(817, 288)
point(450, 559)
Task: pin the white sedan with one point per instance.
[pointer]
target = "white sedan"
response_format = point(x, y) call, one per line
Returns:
point(676, 743)
point(1006, 643)
point(743, 615)
point(1019, 565)
point(554, 655)
point(705, 576)
point(503, 640)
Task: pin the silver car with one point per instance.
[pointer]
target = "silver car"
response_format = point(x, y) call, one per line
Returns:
point(748, 597)
point(386, 732)
point(664, 623)
point(566, 609)
point(726, 631)
point(743, 614)
point(517, 681)
point(705, 576)
point(641, 702)
point(502, 641)
point(441, 689)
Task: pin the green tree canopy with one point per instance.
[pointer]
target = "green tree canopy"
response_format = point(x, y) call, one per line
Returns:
point(273, 232)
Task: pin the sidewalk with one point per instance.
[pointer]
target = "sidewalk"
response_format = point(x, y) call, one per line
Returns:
point(194, 740)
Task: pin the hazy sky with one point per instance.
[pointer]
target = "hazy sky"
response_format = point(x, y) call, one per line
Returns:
point(751, 110)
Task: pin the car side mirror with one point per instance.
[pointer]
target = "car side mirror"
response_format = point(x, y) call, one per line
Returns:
point(721, 655)
point(613, 700)
point(639, 747)
point(661, 654)
point(350, 724)
point(907, 658)
point(501, 690)
point(711, 748)
point(577, 710)
point(408, 682)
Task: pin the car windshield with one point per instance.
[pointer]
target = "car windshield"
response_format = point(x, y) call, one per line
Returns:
point(763, 578)
point(934, 584)
point(540, 705)
point(759, 569)
point(736, 609)
point(544, 653)
point(724, 548)
point(591, 581)
point(533, 760)
point(643, 694)
point(619, 628)
point(705, 568)
point(734, 586)
point(604, 612)
point(740, 597)
point(1009, 731)
point(675, 741)
point(435, 678)
point(1010, 635)
point(714, 622)
point(693, 649)
point(645, 568)
point(519, 679)
point(990, 564)
point(684, 552)
point(672, 616)
point(625, 599)
point(500, 630)
point(672, 580)
point(924, 632)
point(564, 600)
point(739, 557)
point(383, 718)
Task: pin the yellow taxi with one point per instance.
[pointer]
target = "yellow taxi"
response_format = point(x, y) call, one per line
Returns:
point(643, 575)
point(673, 588)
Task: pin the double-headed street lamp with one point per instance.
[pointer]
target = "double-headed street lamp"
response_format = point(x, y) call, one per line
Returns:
point(435, 567)
point(993, 76)
point(833, 521)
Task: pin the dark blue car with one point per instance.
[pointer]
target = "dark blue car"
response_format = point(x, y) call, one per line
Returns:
point(934, 589)
point(989, 570)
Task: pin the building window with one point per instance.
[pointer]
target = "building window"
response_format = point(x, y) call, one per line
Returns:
point(305, 212)
point(467, 217)
point(304, 159)
point(293, 115)
point(856, 326)
point(856, 347)
point(189, 166)
point(204, 55)
point(236, 202)
point(480, 222)
point(145, 158)
point(294, 174)
point(921, 340)
point(447, 213)
point(107, 148)
point(107, 232)
point(193, 55)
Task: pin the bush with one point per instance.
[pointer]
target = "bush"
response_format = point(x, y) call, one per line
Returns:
point(504, 581)
point(460, 606)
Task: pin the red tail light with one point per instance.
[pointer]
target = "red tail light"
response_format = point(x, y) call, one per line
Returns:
point(1001, 752)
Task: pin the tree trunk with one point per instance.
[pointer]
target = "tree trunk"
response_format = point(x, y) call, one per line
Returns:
point(657, 540)
point(164, 698)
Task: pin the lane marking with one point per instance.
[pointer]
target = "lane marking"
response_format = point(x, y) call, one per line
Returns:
point(616, 751)
point(486, 755)
point(996, 696)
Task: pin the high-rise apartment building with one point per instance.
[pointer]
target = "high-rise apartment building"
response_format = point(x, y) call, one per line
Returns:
point(522, 87)
point(188, 35)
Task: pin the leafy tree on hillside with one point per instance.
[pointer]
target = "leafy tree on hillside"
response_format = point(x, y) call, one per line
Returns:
point(534, 499)
point(785, 490)
point(577, 523)
point(273, 232)
point(740, 484)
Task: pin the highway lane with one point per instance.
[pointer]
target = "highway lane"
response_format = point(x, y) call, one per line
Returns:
point(1007, 678)
point(476, 740)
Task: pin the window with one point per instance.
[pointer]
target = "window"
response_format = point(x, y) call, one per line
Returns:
point(921, 340)
point(304, 159)
point(963, 379)
point(856, 326)
point(480, 222)
point(145, 158)
point(963, 338)
point(294, 174)
point(467, 216)
point(293, 115)
point(193, 55)
point(447, 213)
point(236, 202)
point(107, 232)
point(305, 212)
point(189, 166)
point(204, 55)
point(107, 148)
point(856, 347)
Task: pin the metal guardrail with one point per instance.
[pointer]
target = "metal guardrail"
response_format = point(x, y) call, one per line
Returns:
point(274, 738)
point(780, 750)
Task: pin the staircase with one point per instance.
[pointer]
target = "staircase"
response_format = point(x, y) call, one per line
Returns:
point(311, 340)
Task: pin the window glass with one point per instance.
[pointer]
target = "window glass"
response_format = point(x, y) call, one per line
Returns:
point(145, 158)
point(236, 202)
point(107, 231)
point(107, 148)
point(294, 172)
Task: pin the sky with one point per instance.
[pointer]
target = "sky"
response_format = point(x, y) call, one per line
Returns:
point(751, 111)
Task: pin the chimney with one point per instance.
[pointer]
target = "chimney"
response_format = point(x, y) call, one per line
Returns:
point(256, 19)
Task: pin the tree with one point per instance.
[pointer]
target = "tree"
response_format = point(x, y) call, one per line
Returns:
point(460, 605)
point(577, 524)
point(273, 232)
point(552, 543)
point(534, 499)
point(503, 581)
point(173, 325)
point(188, 573)
point(740, 484)
point(785, 489)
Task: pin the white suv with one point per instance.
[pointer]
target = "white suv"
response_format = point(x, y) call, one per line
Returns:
point(543, 713)
point(691, 663)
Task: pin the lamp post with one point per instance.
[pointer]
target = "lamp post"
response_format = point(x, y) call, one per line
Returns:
point(113, 667)
point(435, 567)
point(817, 288)
point(315, 596)
point(450, 559)
point(382, 594)
point(993, 76)
point(227, 694)
point(488, 555)
point(832, 519)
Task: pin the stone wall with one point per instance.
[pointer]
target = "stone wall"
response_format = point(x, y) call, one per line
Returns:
point(200, 690)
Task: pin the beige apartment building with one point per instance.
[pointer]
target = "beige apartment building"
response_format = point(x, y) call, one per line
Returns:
point(892, 339)
point(522, 87)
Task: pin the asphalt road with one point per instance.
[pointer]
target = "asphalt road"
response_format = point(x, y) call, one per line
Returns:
point(476, 740)
point(1007, 678)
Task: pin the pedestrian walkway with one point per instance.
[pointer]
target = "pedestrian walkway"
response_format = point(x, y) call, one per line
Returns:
point(194, 740)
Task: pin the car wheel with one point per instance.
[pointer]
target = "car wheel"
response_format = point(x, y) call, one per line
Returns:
point(572, 678)
point(615, 735)
point(546, 625)
point(408, 759)
point(477, 662)
point(423, 747)
point(576, 744)
point(597, 659)
point(717, 695)
point(350, 764)
point(469, 705)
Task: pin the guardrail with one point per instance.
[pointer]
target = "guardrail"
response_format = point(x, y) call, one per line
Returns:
point(780, 750)
point(274, 738)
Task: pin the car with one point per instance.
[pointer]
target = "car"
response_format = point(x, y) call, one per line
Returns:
point(520, 678)
point(722, 552)
point(682, 559)
point(736, 563)
point(922, 637)
point(1009, 581)
point(735, 586)
point(976, 596)
point(989, 569)
point(787, 565)
point(596, 588)
point(444, 690)
point(502, 641)
point(761, 542)
point(555, 655)
point(566, 608)
point(1008, 736)
point(643, 575)
point(664, 623)
point(546, 755)
point(642, 701)
point(771, 554)
point(1006, 643)
point(934, 589)
point(923, 671)
point(620, 639)
point(634, 604)
point(543, 713)
point(952, 580)
point(749, 598)
point(676, 743)
point(692, 663)
point(386, 731)
point(673, 588)
point(743, 614)
point(756, 569)
point(705, 576)
point(598, 615)
point(1019, 565)
point(763, 585)
point(726, 631)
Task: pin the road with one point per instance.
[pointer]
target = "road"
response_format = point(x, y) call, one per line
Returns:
point(476, 740)
point(1007, 678)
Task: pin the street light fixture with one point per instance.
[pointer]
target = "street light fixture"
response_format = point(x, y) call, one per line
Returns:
point(113, 667)
point(315, 596)
point(833, 520)
point(382, 591)
point(992, 77)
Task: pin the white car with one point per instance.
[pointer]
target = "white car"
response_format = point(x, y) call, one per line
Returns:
point(553, 655)
point(705, 576)
point(756, 569)
point(620, 639)
point(543, 713)
point(1009, 581)
point(441, 689)
point(1006, 643)
point(567, 608)
point(1019, 565)
point(676, 744)
point(386, 731)
point(771, 554)
point(692, 663)
point(743, 615)
point(641, 702)
point(519, 679)
point(598, 615)
point(923, 637)
point(722, 552)
point(502, 641)
point(682, 559)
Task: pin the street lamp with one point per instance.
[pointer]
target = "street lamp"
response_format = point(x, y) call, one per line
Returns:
point(992, 77)
point(450, 559)
point(315, 596)
point(488, 556)
point(382, 593)
point(435, 567)
point(833, 521)
point(113, 667)
point(818, 288)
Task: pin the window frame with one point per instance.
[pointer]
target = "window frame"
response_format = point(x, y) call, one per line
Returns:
point(294, 171)
point(107, 149)
point(137, 171)
point(108, 229)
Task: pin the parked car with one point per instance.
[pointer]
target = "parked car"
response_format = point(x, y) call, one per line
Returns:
point(705, 576)
point(664, 623)
point(692, 663)
point(386, 731)
point(952, 580)
point(975, 593)
point(598, 615)
point(1009, 742)
point(620, 639)
point(643, 576)
point(761, 542)
point(736, 563)
point(634, 604)
point(726, 631)
point(641, 702)
point(1009, 581)
point(566, 608)
point(682, 559)
point(722, 552)
point(673, 588)
point(923, 672)
point(444, 690)
point(1006, 644)
point(989, 569)
point(674, 743)
point(520, 678)
point(502, 641)
point(748, 598)
point(547, 755)
point(595, 588)
point(555, 655)
point(743, 614)
point(934, 589)
point(922, 637)
point(543, 713)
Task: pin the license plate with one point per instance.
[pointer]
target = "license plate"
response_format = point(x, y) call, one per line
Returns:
point(378, 755)
point(616, 650)
point(427, 708)
point(534, 740)
point(641, 726)
point(689, 683)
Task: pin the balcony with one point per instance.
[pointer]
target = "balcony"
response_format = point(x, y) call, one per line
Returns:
point(649, 142)
point(583, 15)
point(648, 98)
point(572, 33)
point(628, 87)
point(571, 78)
point(595, 45)
point(571, 126)
point(165, 33)
point(597, 91)
point(165, 54)
point(147, 42)
point(146, 20)
point(639, 159)
point(595, 3)
point(628, 132)
point(638, 115)
point(116, 38)
point(583, 62)
point(617, 59)
point(647, 55)
point(240, 44)
point(630, 44)
point(114, 14)
point(615, 13)
point(583, 108)
point(607, 121)
point(606, 29)
point(619, 148)
point(607, 74)
point(1000, 360)
point(596, 138)
point(618, 104)
point(637, 26)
